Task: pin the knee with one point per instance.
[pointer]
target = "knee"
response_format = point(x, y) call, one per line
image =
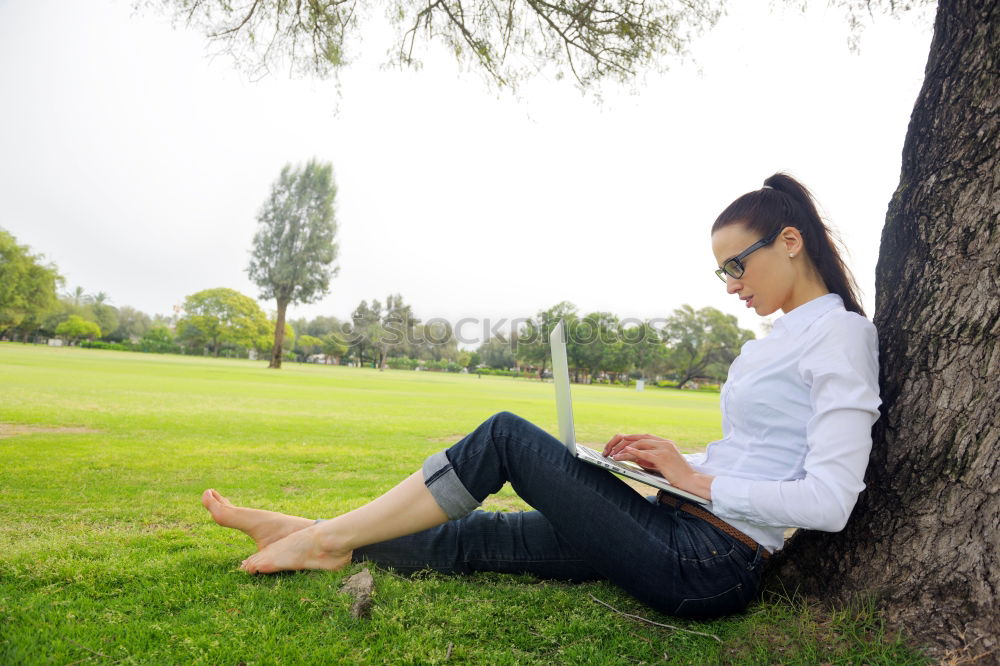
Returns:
point(507, 419)
point(507, 426)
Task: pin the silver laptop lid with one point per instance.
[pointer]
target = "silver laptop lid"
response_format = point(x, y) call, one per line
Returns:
point(560, 376)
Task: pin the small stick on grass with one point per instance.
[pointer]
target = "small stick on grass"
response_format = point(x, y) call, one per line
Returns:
point(648, 621)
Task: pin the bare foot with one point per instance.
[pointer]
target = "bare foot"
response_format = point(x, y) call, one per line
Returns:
point(311, 548)
point(264, 527)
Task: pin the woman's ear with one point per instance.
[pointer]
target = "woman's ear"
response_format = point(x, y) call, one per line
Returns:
point(791, 241)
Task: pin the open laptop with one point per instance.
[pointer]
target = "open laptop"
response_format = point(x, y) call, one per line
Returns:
point(564, 405)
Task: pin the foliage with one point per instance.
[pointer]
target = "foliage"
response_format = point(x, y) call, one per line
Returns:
point(220, 317)
point(27, 286)
point(309, 344)
point(533, 341)
point(103, 313)
point(591, 41)
point(293, 248)
point(702, 343)
point(158, 339)
point(497, 352)
point(111, 346)
point(76, 327)
point(132, 324)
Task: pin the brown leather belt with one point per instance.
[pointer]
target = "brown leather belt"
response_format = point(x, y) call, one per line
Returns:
point(710, 518)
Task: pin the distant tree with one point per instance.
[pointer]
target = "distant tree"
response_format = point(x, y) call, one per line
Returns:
point(435, 341)
point(102, 312)
point(132, 324)
point(217, 317)
point(308, 345)
point(398, 321)
point(334, 346)
point(27, 286)
point(157, 338)
point(76, 328)
point(598, 344)
point(321, 326)
point(702, 343)
point(648, 353)
point(533, 341)
point(366, 331)
point(497, 352)
point(78, 296)
point(294, 248)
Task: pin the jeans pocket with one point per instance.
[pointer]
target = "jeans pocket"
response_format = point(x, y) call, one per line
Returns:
point(706, 544)
point(724, 603)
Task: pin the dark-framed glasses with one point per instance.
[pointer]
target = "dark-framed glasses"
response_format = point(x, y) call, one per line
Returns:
point(734, 267)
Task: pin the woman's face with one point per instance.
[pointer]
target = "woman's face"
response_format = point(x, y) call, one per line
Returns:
point(769, 279)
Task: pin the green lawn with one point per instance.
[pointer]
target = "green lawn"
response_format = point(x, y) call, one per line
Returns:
point(106, 554)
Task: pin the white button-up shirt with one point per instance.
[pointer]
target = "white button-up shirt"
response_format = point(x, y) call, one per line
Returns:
point(797, 413)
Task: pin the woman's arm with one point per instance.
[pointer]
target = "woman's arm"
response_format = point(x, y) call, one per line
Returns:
point(841, 371)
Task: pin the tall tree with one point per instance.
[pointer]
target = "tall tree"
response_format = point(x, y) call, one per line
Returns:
point(27, 286)
point(924, 539)
point(294, 248)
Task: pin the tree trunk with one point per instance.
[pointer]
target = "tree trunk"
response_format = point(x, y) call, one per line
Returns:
point(279, 335)
point(924, 539)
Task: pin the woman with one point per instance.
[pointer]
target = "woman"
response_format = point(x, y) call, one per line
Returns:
point(797, 412)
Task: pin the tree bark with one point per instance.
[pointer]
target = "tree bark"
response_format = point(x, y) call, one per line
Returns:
point(924, 539)
point(279, 336)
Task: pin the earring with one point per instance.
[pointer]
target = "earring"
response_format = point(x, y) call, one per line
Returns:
point(791, 254)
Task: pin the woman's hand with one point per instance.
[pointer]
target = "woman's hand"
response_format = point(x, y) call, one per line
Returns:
point(663, 456)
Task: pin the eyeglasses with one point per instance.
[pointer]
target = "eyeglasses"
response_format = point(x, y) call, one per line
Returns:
point(734, 267)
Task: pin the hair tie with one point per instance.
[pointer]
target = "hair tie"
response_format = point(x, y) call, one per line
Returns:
point(767, 187)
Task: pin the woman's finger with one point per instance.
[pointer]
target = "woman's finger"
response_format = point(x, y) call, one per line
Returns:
point(612, 443)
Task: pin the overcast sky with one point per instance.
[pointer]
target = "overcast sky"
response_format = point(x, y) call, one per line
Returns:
point(137, 162)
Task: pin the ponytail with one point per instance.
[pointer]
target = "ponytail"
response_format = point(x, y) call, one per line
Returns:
point(785, 202)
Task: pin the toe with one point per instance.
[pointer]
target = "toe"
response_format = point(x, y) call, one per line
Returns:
point(220, 498)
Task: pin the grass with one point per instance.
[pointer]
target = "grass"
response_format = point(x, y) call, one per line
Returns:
point(106, 554)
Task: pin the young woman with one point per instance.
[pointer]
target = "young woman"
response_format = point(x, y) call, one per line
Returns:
point(797, 412)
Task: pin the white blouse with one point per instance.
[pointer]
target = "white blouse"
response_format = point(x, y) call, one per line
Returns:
point(797, 414)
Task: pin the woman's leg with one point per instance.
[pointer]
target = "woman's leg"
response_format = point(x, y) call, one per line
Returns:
point(660, 554)
point(405, 509)
point(517, 542)
point(264, 527)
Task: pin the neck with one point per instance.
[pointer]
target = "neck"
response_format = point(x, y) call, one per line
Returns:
point(807, 288)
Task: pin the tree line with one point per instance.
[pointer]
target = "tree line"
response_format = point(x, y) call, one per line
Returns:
point(687, 345)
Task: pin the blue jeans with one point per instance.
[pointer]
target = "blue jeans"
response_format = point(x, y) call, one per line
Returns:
point(587, 525)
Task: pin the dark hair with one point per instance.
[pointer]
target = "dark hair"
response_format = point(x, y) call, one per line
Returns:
point(785, 202)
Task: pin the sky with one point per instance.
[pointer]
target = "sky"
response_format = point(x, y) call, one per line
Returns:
point(136, 159)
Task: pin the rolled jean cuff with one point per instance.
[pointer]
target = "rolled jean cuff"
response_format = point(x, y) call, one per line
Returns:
point(446, 488)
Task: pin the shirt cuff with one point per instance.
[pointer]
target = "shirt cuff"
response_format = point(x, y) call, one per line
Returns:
point(731, 497)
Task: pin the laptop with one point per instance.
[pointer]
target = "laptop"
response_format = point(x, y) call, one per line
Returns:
point(567, 433)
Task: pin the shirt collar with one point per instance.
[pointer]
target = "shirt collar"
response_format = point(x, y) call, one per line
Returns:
point(801, 317)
